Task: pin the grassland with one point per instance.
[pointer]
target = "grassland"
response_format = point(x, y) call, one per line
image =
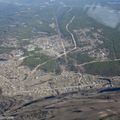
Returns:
point(104, 68)
point(80, 58)
point(5, 50)
point(35, 58)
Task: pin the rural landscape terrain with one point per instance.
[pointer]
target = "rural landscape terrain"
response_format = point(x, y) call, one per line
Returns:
point(59, 59)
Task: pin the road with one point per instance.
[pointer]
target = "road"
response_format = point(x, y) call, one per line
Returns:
point(67, 28)
point(87, 63)
point(59, 34)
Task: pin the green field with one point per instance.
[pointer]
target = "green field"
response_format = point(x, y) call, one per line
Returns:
point(6, 50)
point(35, 58)
point(80, 58)
point(104, 68)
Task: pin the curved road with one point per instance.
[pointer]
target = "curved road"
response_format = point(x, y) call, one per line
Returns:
point(67, 28)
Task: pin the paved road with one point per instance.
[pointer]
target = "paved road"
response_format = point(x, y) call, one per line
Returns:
point(67, 28)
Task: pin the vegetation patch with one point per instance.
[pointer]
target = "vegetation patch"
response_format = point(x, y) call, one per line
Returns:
point(5, 50)
point(35, 58)
point(81, 57)
point(111, 68)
